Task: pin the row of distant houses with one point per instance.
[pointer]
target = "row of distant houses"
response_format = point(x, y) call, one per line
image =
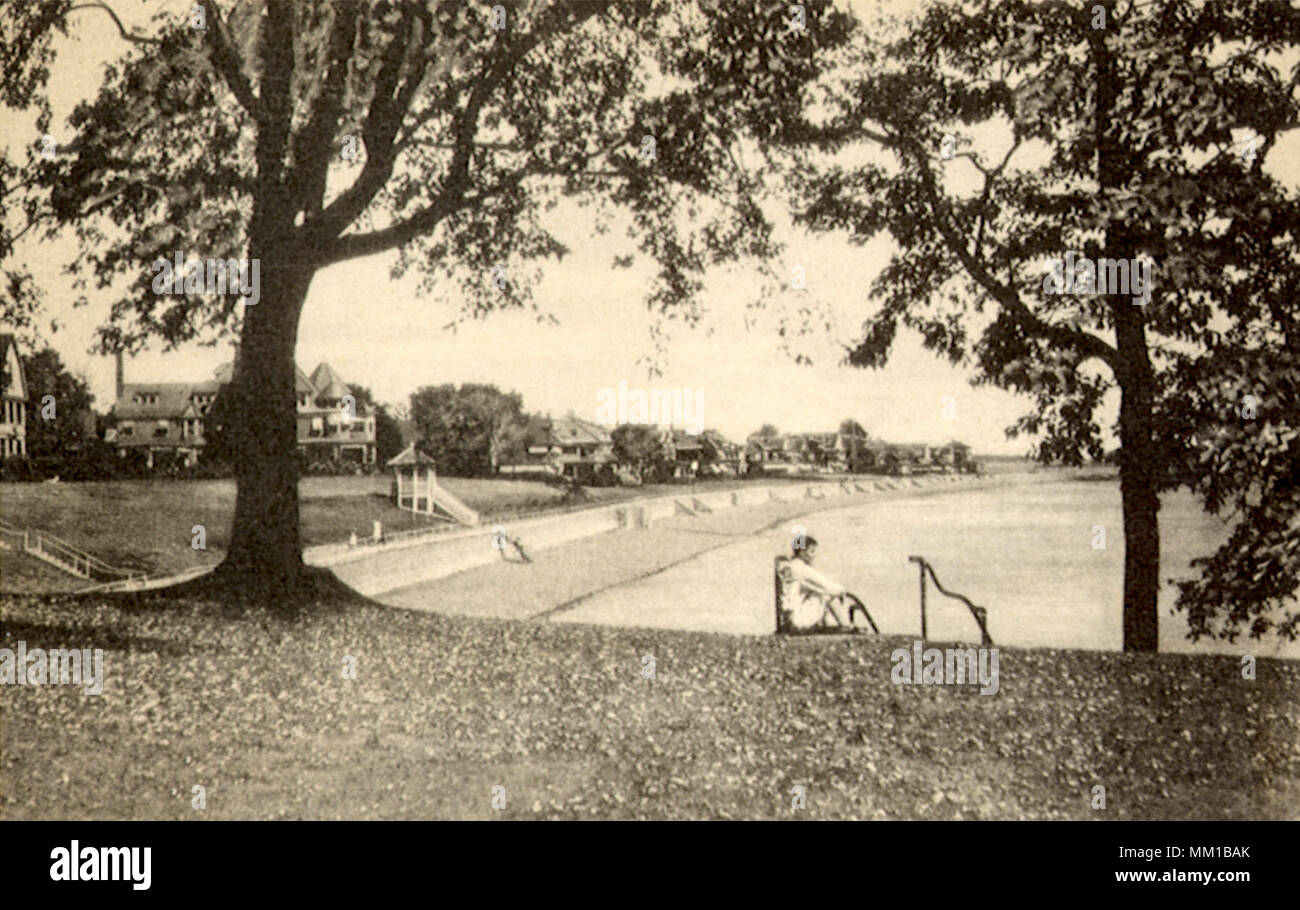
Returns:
point(844, 451)
point(169, 423)
point(581, 449)
point(584, 451)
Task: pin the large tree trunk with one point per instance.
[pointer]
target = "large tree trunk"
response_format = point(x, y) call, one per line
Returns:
point(1138, 466)
point(265, 557)
point(1137, 483)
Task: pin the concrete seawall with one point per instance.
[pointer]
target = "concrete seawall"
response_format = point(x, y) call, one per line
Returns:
point(374, 569)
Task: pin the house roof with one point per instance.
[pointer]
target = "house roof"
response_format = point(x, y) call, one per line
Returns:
point(409, 456)
point(172, 399)
point(16, 390)
point(327, 383)
point(719, 441)
point(175, 397)
point(323, 375)
point(572, 430)
point(301, 383)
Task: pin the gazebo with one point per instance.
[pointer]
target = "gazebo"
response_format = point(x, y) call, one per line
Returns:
point(414, 480)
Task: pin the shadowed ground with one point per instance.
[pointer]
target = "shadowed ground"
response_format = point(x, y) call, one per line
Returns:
point(256, 710)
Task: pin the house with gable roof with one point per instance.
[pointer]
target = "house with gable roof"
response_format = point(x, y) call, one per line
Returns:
point(167, 419)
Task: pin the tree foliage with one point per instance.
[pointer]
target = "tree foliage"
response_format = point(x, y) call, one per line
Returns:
point(234, 141)
point(465, 427)
point(72, 423)
point(388, 433)
point(641, 448)
point(989, 139)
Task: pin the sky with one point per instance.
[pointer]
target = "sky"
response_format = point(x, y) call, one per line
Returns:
point(381, 333)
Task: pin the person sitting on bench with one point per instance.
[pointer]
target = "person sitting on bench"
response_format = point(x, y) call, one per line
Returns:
point(808, 591)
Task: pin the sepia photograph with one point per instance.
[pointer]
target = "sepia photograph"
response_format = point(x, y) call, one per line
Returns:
point(667, 410)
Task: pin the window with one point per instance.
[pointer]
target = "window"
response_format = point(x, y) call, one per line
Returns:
point(126, 429)
point(317, 427)
point(161, 428)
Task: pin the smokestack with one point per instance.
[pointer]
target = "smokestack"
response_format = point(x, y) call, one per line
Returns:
point(121, 374)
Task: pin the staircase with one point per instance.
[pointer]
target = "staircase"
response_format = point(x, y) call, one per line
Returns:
point(451, 504)
point(62, 555)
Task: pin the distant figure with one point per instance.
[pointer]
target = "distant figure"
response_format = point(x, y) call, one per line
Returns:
point(518, 546)
point(807, 590)
point(352, 539)
point(377, 530)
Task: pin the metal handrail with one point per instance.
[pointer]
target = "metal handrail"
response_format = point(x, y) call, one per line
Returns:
point(980, 614)
point(76, 554)
point(19, 535)
point(59, 549)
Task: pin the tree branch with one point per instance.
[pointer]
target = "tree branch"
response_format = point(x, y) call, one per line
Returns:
point(134, 39)
point(350, 246)
point(1005, 294)
point(227, 62)
point(381, 129)
point(312, 145)
point(383, 120)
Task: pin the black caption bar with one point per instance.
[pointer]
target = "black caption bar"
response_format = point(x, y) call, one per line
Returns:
point(334, 859)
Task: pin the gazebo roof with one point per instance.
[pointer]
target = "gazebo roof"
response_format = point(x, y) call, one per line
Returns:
point(409, 456)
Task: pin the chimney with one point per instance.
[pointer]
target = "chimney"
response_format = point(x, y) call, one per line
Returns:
point(121, 374)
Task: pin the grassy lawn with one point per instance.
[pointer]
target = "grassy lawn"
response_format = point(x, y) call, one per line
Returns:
point(443, 709)
point(149, 525)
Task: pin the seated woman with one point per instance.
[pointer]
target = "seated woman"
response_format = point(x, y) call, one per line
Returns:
point(807, 592)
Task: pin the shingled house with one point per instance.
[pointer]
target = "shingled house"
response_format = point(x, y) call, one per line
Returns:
point(332, 424)
point(709, 452)
point(166, 420)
